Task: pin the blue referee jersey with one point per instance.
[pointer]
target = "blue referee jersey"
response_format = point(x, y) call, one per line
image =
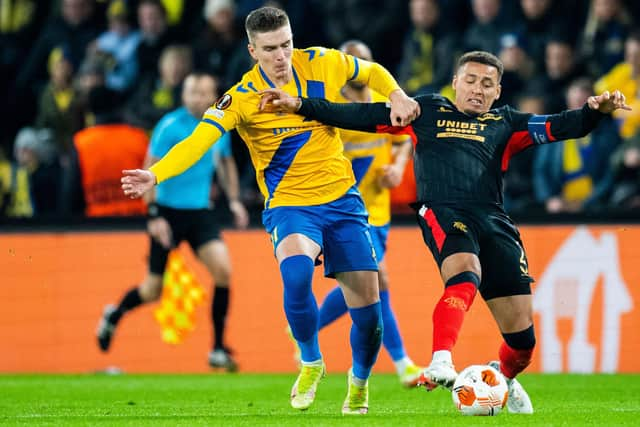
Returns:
point(189, 190)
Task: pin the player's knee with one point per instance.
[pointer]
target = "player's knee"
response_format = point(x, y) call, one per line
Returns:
point(150, 290)
point(522, 340)
point(368, 319)
point(297, 274)
point(222, 275)
point(465, 262)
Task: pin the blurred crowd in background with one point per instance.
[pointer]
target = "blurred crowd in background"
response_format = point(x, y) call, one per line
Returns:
point(72, 71)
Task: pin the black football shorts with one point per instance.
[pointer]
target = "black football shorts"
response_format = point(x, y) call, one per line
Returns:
point(486, 232)
point(196, 226)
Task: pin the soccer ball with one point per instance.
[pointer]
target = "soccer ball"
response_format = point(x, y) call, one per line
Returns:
point(480, 390)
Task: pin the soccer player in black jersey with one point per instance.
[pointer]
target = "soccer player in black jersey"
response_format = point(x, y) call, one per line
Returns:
point(462, 150)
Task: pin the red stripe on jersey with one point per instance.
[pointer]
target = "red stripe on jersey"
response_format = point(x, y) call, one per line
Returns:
point(518, 142)
point(547, 126)
point(438, 233)
point(398, 130)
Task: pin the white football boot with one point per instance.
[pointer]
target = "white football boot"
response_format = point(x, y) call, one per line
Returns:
point(518, 401)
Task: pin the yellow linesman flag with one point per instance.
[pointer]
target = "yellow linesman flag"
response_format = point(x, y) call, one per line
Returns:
point(181, 294)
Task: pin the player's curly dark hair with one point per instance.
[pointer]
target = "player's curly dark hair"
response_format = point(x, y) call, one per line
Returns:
point(482, 57)
point(265, 19)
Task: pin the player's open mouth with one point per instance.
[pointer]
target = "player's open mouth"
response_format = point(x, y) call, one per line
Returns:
point(474, 101)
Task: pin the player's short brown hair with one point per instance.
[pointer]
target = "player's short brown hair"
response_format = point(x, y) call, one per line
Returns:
point(265, 19)
point(482, 57)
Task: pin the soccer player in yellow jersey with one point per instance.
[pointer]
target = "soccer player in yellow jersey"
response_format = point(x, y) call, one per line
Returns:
point(378, 162)
point(311, 203)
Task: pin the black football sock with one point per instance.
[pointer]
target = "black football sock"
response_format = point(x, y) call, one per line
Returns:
point(130, 301)
point(219, 308)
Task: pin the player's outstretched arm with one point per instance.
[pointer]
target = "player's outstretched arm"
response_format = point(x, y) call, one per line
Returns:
point(181, 157)
point(577, 123)
point(366, 117)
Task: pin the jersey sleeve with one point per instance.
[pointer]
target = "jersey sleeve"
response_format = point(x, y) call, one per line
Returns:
point(376, 77)
point(223, 116)
point(542, 129)
point(534, 129)
point(226, 113)
point(184, 154)
point(345, 67)
point(366, 117)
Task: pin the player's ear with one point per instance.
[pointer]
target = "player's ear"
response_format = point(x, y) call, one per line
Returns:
point(252, 51)
point(498, 91)
point(453, 82)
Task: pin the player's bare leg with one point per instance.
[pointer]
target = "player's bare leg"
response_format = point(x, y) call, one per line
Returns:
point(514, 315)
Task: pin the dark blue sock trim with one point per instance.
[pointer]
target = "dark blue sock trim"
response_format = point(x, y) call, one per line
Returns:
point(465, 276)
point(523, 340)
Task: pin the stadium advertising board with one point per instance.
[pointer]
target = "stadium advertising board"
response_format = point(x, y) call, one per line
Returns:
point(55, 286)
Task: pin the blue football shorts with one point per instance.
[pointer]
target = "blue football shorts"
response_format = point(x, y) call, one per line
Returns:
point(379, 235)
point(340, 228)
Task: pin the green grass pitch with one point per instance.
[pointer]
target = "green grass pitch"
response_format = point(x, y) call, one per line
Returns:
point(250, 400)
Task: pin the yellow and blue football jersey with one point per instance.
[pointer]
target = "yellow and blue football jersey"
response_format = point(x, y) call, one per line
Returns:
point(368, 153)
point(298, 161)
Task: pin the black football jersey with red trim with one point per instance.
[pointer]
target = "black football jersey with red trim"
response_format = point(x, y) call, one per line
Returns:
point(459, 157)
